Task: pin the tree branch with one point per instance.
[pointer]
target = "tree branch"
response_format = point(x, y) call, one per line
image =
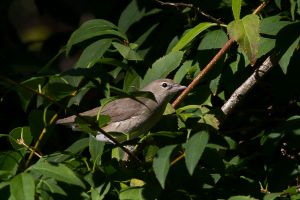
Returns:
point(240, 93)
point(211, 64)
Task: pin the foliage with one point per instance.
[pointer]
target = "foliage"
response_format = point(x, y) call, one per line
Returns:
point(193, 152)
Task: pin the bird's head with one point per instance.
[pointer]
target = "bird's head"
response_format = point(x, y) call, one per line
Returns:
point(163, 89)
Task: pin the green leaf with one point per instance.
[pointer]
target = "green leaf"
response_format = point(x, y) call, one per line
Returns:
point(96, 150)
point(266, 45)
point(4, 184)
point(161, 163)
point(35, 83)
point(93, 53)
point(103, 120)
point(213, 40)
point(9, 163)
point(71, 151)
point(22, 187)
point(50, 185)
point(278, 4)
point(272, 25)
point(194, 149)
point(131, 81)
point(293, 8)
point(191, 34)
point(128, 52)
point(271, 196)
point(131, 14)
point(51, 89)
point(236, 8)
point(20, 133)
point(145, 35)
point(91, 29)
point(183, 70)
point(59, 172)
point(100, 192)
point(151, 152)
point(287, 42)
point(38, 120)
point(241, 198)
point(214, 85)
point(133, 193)
point(246, 33)
point(79, 96)
point(286, 57)
point(162, 67)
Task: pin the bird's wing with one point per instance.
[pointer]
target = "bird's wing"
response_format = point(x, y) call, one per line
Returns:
point(117, 110)
point(122, 109)
point(71, 119)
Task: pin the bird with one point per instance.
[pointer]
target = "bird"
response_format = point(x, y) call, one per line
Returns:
point(132, 117)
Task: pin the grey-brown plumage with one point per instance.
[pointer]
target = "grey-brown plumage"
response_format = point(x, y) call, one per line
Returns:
point(134, 117)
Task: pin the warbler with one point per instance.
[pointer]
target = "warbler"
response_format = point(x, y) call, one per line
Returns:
point(133, 117)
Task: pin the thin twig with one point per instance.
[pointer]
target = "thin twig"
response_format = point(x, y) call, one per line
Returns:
point(22, 142)
point(41, 136)
point(181, 156)
point(187, 5)
point(93, 125)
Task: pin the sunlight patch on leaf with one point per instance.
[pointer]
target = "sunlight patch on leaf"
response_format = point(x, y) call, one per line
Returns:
point(246, 33)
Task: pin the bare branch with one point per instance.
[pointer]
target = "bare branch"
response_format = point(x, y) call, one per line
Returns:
point(240, 93)
point(202, 73)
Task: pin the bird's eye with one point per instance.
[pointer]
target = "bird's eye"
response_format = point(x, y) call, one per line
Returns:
point(164, 85)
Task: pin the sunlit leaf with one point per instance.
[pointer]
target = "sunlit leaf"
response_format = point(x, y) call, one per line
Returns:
point(131, 14)
point(271, 196)
point(128, 52)
point(93, 28)
point(183, 70)
point(162, 67)
point(21, 134)
point(134, 193)
point(93, 53)
point(246, 33)
point(236, 8)
point(191, 34)
point(242, 198)
point(22, 187)
point(213, 40)
point(273, 24)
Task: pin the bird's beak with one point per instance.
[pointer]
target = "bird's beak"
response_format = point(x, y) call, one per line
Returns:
point(180, 87)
